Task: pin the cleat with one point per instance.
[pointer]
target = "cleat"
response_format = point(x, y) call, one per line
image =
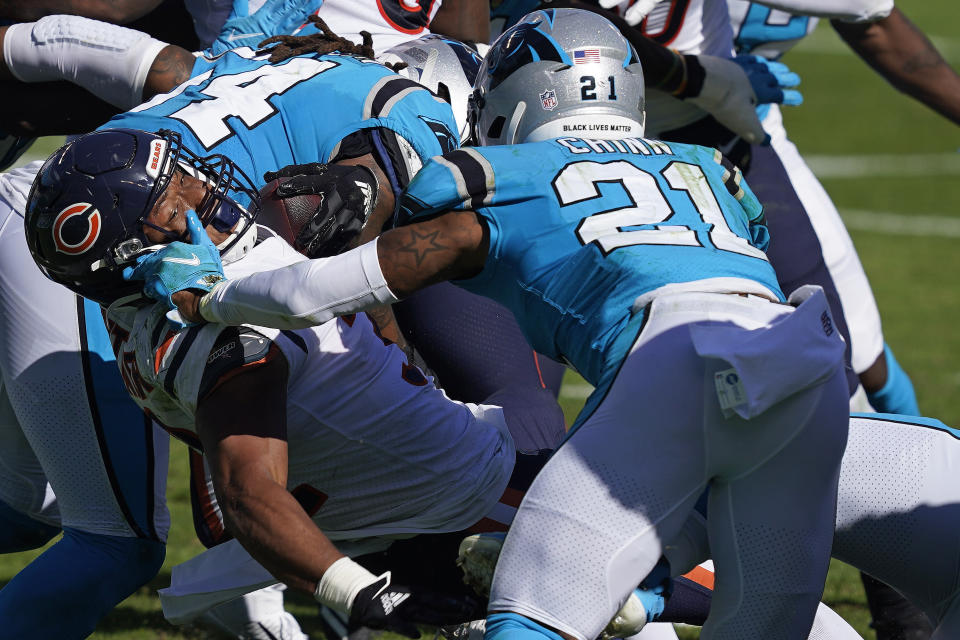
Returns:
point(477, 558)
point(628, 621)
point(473, 630)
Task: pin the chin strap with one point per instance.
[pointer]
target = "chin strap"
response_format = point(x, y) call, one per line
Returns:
point(244, 243)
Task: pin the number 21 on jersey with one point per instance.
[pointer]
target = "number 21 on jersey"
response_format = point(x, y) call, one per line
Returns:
point(578, 182)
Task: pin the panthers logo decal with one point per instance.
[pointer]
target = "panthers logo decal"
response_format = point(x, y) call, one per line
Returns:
point(76, 228)
point(407, 16)
point(446, 138)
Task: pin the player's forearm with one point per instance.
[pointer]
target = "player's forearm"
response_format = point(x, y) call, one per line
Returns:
point(273, 527)
point(117, 11)
point(171, 68)
point(848, 10)
point(391, 267)
point(903, 55)
point(466, 20)
point(301, 295)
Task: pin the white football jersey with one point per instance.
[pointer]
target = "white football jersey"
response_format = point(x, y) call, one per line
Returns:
point(767, 32)
point(390, 22)
point(689, 27)
point(374, 447)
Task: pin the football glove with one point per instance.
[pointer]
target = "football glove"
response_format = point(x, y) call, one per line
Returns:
point(384, 605)
point(721, 87)
point(275, 17)
point(636, 12)
point(771, 81)
point(179, 265)
point(348, 196)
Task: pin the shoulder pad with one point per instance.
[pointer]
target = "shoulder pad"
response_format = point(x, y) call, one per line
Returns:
point(235, 347)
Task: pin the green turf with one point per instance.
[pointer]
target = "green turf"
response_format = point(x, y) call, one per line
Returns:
point(848, 111)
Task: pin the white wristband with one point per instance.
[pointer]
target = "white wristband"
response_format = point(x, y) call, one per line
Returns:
point(341, 583)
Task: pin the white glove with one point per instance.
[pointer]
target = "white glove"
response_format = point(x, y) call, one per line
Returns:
point(637, 12)
point(728, 96)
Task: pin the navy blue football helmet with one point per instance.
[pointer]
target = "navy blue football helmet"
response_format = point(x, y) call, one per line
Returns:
point(86, 211)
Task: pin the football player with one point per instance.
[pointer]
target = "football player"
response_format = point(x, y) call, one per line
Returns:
point(809, 242)
point(893, 508)
point(61, 47)
point(360, 112)
point(883, 36)
point(83, 437)
point(375, 450)
point(390, 107)
point(610, 286)
point(77, 453)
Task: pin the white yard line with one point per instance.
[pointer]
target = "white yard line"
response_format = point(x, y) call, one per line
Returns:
point(825, 41)
point(940, 226)
point(884, 165)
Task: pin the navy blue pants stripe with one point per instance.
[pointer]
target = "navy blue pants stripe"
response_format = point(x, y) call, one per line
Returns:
point(124, 433)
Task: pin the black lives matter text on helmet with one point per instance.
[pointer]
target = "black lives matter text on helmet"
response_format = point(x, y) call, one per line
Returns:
point(547, 77)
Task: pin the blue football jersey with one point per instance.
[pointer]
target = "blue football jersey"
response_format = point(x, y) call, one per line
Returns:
point(265, 116)
point(764, 31)
point(580, 228)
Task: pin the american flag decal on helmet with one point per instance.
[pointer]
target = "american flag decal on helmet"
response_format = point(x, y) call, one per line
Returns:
point(586, 56)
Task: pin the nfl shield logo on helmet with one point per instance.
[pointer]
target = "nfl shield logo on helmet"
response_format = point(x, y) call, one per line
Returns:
point(548, 100)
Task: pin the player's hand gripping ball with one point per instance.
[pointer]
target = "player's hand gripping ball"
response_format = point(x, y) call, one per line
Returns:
point(318, 208)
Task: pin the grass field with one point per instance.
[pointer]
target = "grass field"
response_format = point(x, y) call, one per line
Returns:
point(892, 167)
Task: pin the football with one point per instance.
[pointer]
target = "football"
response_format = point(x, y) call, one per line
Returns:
point(288, 215)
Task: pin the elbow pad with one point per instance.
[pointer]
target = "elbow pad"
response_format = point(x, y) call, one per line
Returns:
point(110, 61)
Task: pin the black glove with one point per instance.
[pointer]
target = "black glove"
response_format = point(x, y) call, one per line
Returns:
point(348, 195)
point(291, 170)
point(383, 605)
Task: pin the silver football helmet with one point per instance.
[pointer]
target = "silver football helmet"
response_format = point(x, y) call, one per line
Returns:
point(558, 72)
point(446, 66)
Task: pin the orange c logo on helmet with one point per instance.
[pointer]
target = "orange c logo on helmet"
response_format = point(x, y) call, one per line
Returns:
point(76, 228)
point(407, 16)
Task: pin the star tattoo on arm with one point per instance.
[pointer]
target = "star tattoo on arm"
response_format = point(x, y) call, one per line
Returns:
point(450, 246)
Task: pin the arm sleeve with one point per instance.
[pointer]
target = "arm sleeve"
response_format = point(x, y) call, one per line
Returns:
point(304, 294)
point(845, 10)
point(110, 61)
